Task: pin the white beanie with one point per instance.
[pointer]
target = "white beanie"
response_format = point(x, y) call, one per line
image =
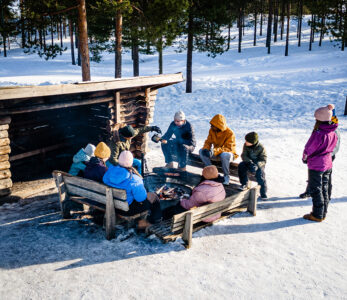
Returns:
point(180, 116)
point(126, 159)
point(89, 149)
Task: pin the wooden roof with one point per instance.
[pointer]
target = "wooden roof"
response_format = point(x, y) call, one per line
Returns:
point(18, 92)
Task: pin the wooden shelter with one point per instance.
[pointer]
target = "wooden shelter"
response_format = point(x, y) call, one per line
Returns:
point(46, 125)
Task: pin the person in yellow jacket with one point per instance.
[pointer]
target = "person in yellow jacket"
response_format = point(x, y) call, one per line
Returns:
point(219, 143)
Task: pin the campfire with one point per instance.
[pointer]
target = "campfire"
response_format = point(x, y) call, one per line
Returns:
point(165, 192)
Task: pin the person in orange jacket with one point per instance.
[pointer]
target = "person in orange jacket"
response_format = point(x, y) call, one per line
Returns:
point(219, 143)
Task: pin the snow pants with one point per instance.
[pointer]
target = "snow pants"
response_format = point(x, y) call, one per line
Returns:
point(318, 184)
point(243, 168)
point(173, 148)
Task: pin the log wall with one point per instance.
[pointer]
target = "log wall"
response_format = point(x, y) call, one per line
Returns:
point(5, 150)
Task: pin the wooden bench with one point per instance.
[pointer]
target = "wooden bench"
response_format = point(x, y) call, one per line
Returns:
point(73, 189)
point(184, 224)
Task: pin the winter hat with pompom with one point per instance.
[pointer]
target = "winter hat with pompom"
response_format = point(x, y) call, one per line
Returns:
point(126, 159)
point(325, 113)
point(180, 116)
point(210, 172)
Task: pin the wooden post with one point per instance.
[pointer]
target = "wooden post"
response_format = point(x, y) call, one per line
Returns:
point(119, 29)
point(63, 196)
point(110, 215)
point(117, 107)
point(252, 204)
point(83, 40)
point(188, 230)
point(346, 107)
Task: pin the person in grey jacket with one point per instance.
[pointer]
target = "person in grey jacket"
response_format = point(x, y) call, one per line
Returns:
point(253, 160)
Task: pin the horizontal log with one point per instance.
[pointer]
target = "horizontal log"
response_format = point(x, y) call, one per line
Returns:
point(3, 134)
point(5, 192)
point(4, 157)
point(5, 150)
point(4, 127)
point(4, 165)
point(5, 183)
point(38, 151)
point(36, 108)
point(5, 174)
point(5, 120)
point(4, 142)
point(28, 92)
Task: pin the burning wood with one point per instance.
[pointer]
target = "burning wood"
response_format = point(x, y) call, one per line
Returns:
point(165, 192)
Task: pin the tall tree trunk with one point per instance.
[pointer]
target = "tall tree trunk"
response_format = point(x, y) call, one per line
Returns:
point(269, 27)
point(229, 37)
point(135, 56)
point(72, 43)
point(261, 17)
point(22, 22)
point(189, 81)
point(160, 50)
point(255, 30)
point(300, 21)
point(322, 31)
point(40, 38)
point(118, 58)
point(44, 39)
point(61, 35)
point(240, 28)
point(4, 44)
point(276, 21)
point(311, 34)
point(282, 18)
point(288, 26)
point(83, 40)
point(314, 27)
point(52, 34)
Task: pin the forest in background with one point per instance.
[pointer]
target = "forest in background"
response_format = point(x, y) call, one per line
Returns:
point(149, 26)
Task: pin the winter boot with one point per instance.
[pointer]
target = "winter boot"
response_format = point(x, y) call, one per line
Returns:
point(304, 195)
point(312, 218)
point(226, 180)
point(170, 165)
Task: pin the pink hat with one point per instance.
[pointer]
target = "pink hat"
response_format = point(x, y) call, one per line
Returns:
point(126, 159)
point(325, 113)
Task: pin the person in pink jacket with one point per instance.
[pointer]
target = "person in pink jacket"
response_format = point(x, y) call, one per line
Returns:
point(208, 191)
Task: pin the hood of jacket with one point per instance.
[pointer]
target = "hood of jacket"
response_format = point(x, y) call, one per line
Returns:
point(80, 156)
point(325, 127)
point(96, 161)
point(220, 122)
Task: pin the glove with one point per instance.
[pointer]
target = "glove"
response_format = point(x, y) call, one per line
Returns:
point(156, 129)
point(206, 153)
point(187, 148)
point(304, 161)
point(253, 167)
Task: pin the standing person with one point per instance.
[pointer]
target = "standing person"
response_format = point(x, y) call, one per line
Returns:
point(253, 160)
point(306, 194)
point(317, 155)
point(222, 139)
point(96, 167)
point(124, 176)
point(208, 191)
point(181, 145)
point(121, 141)
point(80, 159)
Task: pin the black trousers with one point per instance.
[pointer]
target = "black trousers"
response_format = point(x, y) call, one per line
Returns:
point(330, 185)
point(243, 168)
point(169, 212)
point(135, 208)
point(174, 148)
point(318, 184)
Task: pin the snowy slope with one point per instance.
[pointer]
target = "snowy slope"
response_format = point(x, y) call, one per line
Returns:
point(275, 255)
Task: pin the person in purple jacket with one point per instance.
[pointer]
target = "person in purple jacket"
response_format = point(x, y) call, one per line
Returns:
point(317, 155)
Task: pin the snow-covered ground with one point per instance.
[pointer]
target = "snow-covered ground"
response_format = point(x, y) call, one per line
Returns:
point(275, 255)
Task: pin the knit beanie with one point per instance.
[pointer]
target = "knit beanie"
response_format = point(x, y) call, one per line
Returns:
point(127, 131)
point(325, 113)
point(102, 151)
point(180, 116)
point(252, 137)
point(89, 150)
point(210, 172)
point(126, 159)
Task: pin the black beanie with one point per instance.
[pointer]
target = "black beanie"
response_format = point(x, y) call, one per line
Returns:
point(252, 137)
point(127, 131)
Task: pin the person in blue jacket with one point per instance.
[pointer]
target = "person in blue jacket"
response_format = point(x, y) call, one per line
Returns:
point(80, 159)
point(124, 176)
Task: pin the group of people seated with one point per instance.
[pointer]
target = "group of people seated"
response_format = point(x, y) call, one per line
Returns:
point(115, 165)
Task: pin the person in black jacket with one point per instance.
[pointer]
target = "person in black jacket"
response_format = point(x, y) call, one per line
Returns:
point(181, 144)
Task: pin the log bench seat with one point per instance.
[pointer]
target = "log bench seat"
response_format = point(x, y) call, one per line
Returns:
point(73, 189)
